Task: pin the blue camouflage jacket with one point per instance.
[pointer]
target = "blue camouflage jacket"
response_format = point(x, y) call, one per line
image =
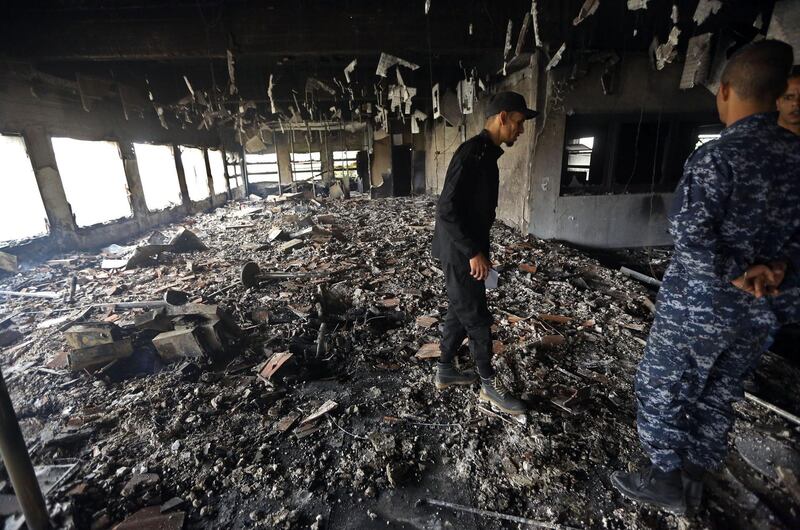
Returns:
point(738, 203)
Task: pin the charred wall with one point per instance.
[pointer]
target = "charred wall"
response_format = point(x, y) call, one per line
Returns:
point(609, 219)
point(39, 110)
point(443, 139)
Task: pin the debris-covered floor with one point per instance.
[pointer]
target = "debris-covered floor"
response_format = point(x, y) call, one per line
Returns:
point(347, 430)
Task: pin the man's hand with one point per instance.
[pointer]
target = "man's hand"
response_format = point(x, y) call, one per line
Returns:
point(479, 266)
point(759, 280)
point(779, 270)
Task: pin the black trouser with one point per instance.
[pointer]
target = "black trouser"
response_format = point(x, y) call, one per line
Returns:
point(467, 316)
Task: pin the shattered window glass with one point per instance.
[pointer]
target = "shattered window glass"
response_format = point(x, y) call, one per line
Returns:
point(25, 216)
point(306, 166)
point(158, 176)
point(194, 168)
point(94, 180)
point(262, 167)
point(345, 164)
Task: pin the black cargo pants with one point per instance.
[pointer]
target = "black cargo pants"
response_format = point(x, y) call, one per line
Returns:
point(467, 316)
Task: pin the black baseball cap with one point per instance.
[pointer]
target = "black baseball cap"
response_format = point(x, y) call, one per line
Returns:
point(509, 102)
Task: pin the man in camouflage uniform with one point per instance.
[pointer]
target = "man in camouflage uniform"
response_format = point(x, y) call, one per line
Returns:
point(736, 229)
point(789, 104)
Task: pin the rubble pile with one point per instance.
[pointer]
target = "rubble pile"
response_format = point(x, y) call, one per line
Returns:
point(276, 372)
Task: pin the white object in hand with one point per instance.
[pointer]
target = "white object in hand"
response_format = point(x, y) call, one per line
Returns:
point(491, 280)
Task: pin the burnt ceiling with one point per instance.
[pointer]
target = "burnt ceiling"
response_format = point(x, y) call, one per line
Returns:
point(130, 41)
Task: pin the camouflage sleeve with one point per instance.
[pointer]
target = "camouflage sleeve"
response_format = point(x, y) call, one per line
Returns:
point(700, 203)
point(792, 252)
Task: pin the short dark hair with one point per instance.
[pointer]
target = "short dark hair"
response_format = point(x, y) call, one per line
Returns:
point(759, 71)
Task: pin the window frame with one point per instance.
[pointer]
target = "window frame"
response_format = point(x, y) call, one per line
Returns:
point(672, 150)
point(350, 166)
point(128, 215)
point(269, 176)
point(315, 171)
point(207, 190)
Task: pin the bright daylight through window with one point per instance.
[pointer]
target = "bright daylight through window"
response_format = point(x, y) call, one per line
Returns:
point(94, 181)
point(306, 166)
point(217, 171)
point(158, 175)
point(194, 167)
point(24, 216)
point(345, 164)
point(262, 167)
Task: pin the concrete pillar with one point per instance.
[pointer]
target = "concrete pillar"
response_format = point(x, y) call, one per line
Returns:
point(326, 159)
point(43, 159)
point(227, 175)
point(381, 160)
point(284, 160)
point(211, 191)
point(245, 177)
point(134, 180)
point(176, 151)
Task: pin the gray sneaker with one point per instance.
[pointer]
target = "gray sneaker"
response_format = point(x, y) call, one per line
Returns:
point(493, 391)
point(447, 375)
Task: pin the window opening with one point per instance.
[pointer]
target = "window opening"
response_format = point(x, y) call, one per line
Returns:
point(93, 177)
point(158, 175)
point(630, 153)
point(217, 171)
point(194, 168)
point(345, 164)
point(705, 138)
point(262, 167)
point(24, 216)
point(234, 170)
point(306, 166)
point(579, 159)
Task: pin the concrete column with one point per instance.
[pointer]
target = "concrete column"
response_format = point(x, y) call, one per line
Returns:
point(211, 191)
point(43, 159)
point(176, 151)
point(381, 160)
point(326, 159)
point(284, 160)
point(225, 172)
point(134, 180)
point(245, 177)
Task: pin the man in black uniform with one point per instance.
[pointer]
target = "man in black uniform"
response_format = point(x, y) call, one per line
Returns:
point(464, 217)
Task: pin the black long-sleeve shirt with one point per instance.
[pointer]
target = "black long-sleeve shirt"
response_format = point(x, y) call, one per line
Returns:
point(466, 208)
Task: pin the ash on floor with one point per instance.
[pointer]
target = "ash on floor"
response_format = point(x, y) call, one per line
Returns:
point(313, 405)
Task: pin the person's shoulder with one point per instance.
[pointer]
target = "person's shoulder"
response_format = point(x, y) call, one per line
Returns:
point(472, 145)
point(708, 154)
point(787, 141)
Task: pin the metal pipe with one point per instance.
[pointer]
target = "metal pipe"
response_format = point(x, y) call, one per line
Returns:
point(43, 294)
point(498, 515)
point(649, 280)
point(769, 406)
point(18, 465)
